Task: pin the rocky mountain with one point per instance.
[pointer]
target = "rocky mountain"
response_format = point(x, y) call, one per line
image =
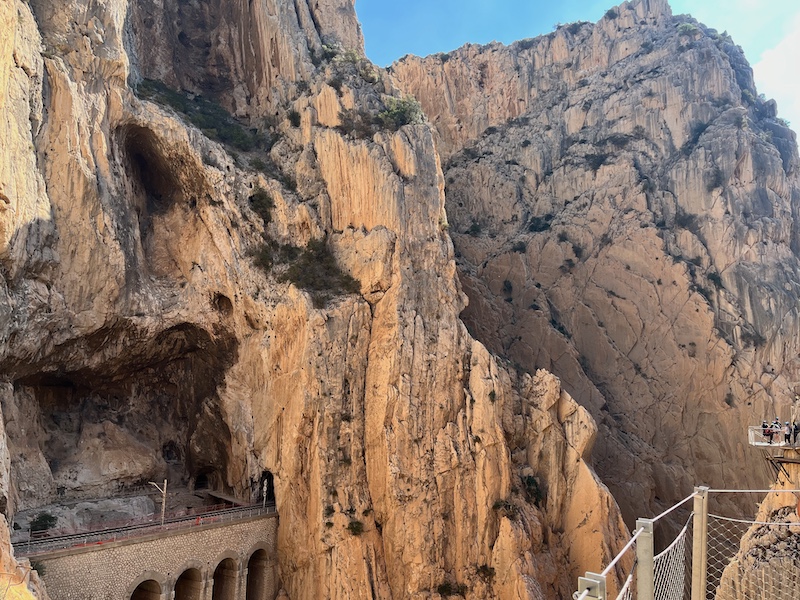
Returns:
point(225, 255)
point(624, 210)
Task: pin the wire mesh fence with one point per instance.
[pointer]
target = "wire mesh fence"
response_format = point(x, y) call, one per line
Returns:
point(712, 557)
point(754, 560)
point(673, 567)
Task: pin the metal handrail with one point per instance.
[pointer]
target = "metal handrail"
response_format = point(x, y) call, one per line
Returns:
point(175, 524)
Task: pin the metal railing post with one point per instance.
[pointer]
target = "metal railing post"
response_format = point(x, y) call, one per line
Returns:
point(700, 543)
point(593, 583)
point(645, 564)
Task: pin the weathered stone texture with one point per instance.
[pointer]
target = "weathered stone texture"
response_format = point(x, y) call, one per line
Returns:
point(115, 569)
point(623, 207)
point(141, 339)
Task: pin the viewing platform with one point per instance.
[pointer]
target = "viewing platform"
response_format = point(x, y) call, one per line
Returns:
point(756, 437)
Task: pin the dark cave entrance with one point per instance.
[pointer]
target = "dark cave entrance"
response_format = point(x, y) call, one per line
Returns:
point(160, 186)
point(147, 412)
point(154, 180)
point(266, 488)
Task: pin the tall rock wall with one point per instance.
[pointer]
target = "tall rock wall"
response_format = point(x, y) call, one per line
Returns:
point(624, 212)
point(140, 338)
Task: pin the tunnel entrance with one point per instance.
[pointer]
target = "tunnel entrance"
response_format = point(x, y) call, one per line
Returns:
point(189, 585)
point(266, 488)
point(147, 590)
point(257, 580)
point(225, 577)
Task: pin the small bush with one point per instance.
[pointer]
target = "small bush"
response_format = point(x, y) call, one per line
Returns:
point(259, 165)
point(38, 567)
point(753, 338)
point(716, 179)
point(716, 280)
point(506, 508)
point(697, 130)
point(486, 572)
point(687, 29)
point(619, 140)
point(329, 52)
point(492, 396)
point(575, 27)
point(316, 272)
point(611, 14)
point(43, 521)
point(329, 510)
point(355, 527)
point(686, 220)
point(562, 236)
point(213, 120)
point(451, 589)
point(399, 112)
point(271, 253)
point(262, 204)
point(539, 224)
point(474, 229)
point(294, 118)
point(336, 83)
point(508, 287)
point(647, 47)
point(357, 123)
point(595, 161)
point(533, 493)
point(519, 247)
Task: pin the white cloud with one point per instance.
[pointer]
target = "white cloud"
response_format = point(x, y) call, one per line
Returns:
point(776, 74)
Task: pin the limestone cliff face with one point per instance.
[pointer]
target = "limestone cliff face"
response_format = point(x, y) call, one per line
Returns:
point(139, 339)
point(624, 213)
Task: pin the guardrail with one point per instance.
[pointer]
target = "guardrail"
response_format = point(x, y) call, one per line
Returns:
point(756, 437)
point(694, 565)
point(50, 541)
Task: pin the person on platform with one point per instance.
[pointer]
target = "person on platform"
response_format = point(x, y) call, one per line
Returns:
point(787, 433)
point(795, 431)
point(766, 431)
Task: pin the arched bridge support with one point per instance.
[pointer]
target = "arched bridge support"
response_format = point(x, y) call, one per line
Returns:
point(219, 561)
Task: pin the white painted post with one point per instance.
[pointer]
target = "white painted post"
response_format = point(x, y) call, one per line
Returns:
point(645, 565)
point(699, 543)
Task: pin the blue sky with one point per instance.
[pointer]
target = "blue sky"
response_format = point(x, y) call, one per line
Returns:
point(768, 30)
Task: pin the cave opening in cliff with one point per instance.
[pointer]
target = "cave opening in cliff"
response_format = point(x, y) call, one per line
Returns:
point(153, 179)
point(148, 410)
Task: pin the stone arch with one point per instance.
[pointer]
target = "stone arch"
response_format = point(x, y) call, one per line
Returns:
point(260, 575)
point(150, 585)
point(190, 585)
point(226, 579)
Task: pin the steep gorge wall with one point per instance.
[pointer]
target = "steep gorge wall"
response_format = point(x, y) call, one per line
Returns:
point(138, 339)
point(623, 208)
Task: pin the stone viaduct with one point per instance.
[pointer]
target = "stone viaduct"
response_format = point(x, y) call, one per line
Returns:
point(215, 561)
